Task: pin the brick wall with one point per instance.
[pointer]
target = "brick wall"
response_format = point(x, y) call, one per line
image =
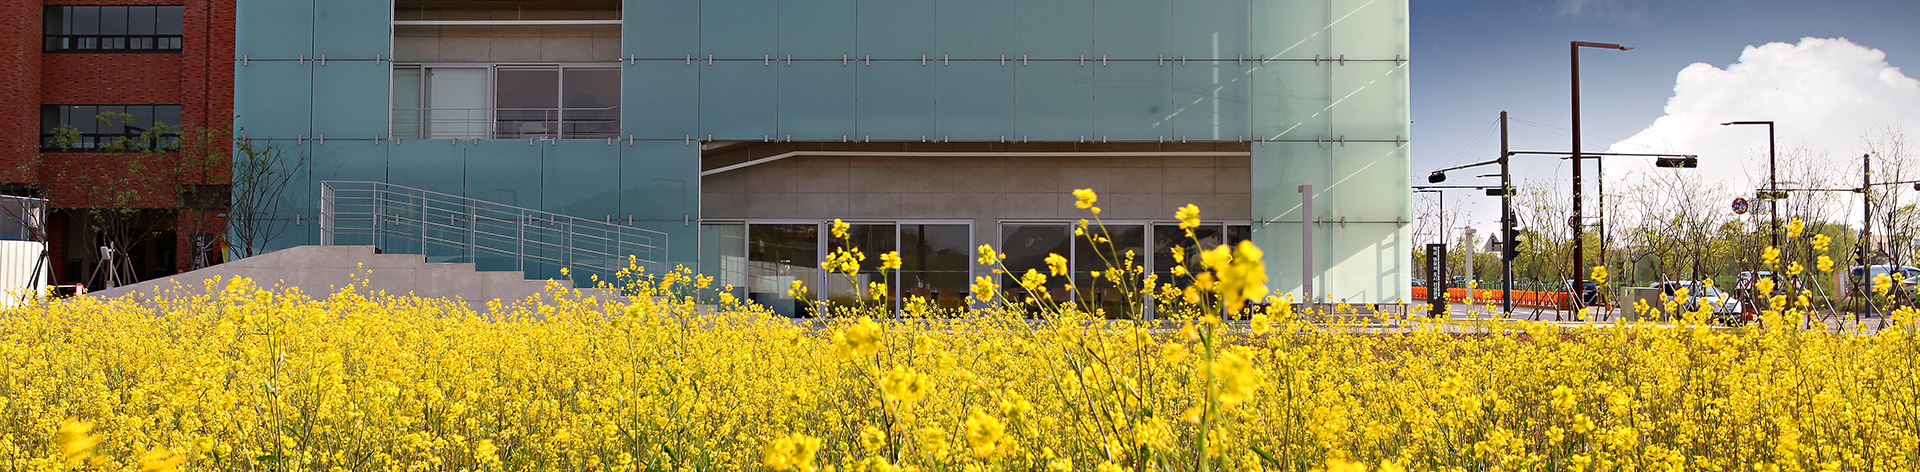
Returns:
point(199, 78)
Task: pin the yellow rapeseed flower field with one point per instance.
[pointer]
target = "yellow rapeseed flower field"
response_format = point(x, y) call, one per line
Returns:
point(676, 378)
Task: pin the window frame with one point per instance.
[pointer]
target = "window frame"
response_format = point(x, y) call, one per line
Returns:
point(491, 97)
point(169, 142)
point(67, 42)
point(817, 285)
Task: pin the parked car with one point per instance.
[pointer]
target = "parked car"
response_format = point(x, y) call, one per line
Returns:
point(1862, 276)
point(1726, 309)
point(1589, 294)
point(1748, 278)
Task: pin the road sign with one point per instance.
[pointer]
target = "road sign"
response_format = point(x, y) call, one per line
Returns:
point(1740, 206)
point(1436, 279)
point(1573, 222)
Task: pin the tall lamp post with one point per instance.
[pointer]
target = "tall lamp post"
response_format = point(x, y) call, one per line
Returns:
point(1579, 241)
point(1773, 193)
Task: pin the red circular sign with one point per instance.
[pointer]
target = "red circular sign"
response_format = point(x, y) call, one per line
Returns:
point(1740, 206)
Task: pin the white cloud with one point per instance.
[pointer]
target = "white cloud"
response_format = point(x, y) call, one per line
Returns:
point(1823, 94)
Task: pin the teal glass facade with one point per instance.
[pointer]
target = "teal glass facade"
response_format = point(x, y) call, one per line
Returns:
point(1317, 88)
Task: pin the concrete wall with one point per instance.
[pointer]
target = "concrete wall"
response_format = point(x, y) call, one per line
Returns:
point(321, 270)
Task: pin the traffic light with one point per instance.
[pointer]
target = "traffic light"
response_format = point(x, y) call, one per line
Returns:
point(1512, 249)
point(1497, 192)
point(1677, 162)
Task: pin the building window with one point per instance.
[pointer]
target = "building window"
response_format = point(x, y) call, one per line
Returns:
point(113, 28)
point(109, 127)
point(762, 260)
point(506, 102)
point(1027, 245)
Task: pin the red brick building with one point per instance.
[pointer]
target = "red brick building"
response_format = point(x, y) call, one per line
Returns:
point(158, 62)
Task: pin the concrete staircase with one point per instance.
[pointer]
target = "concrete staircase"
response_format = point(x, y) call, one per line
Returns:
point(322, 270)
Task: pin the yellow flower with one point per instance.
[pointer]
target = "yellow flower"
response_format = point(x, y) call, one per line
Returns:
point(1244, 279)
point(840, 228)
point(1338, 465)
point(1056, 264)
point(1882, 284)
point(794, 451)
point(1600, 275)
point(1032, 280)
point(1189, 216)
point(984, 289)
point(160, 459)
point(872, 438)
point(1821, 242)
point(903, 384)
point(76, 442)
point(1795, 268)
point(984, 433)
point(1825, 264)
point(1109, 466)
point(987, 256)
point(1795, 227)
point(1765, 285)
point(1771, 256)
point(1235, 377)
point(890, 260)
point(1084, 198)
point(860, 340)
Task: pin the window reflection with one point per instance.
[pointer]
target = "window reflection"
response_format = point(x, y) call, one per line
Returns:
point(777, 256)
point(1102, 294)
point(934, 263)
point(851, 291)
point(1026, 247)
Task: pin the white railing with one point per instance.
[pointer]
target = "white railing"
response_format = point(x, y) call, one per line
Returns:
point(451, 228)
point(506, 123)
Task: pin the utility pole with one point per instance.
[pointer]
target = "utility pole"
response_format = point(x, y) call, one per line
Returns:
point(1506, 223)
point(1866, 226)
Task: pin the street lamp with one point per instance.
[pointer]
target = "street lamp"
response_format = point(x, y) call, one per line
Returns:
point(1579, 242)
point(1773, 185)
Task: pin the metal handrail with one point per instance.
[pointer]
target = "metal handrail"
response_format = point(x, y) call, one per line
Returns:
point(451, 228)
point(507, 123)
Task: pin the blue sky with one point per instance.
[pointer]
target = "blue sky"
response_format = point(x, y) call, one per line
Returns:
point(1473, 59)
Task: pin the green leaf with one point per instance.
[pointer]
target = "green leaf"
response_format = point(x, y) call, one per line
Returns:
point(1265, 456)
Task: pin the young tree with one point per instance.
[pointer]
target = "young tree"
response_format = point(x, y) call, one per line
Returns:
point(261, 172)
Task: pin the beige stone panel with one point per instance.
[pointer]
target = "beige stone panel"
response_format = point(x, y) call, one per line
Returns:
point(936, 176)
point(725, 182)
point(723, 205)
point(1189, 161)
point(978, 179)
point(1204, 200)
point(1188, 180)
point(806, 179)
point(1032, 206)
point(878, 179)
point(1132, 206)
point(416, 48)
point(874, 205)
point(819, 205)
point(761, 205)
point(927, 205)
point(982, 206)
point(1233, 180)
point(515, 49)
point(1075, 176)
point(1136, 179)
point(1234, 206)
point(567, 49)
point(465, 49)
point(606, 49)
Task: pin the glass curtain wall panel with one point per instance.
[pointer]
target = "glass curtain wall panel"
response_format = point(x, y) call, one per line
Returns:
point(507, 172)
point(739, 29)
point(778, 257)
point(1053, 101)
point(660, 29)
point(975, 101)
point(739, 100)
point(660, 191)
point(934, 259)
point(274, 30)
point(1101, 294)
point(856, 291)
point(974, 29)
point(1213, 29)
point(348, 99)
point(723, 256)
point(896, 100)
point(1212, 100)
point(352, 29)
point(272, 99)
point(816, 29)
point(896, 29)
point(435, 165)
point(292, 221)
point(1132, 29)
point(662, 99)
point(1026, 247)
point(816, 100)
point(1133, 101)
point(581, 178)
point(1053, 29)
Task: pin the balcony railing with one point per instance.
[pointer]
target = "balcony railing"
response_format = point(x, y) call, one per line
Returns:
point(451, 228)
point(507, 123)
